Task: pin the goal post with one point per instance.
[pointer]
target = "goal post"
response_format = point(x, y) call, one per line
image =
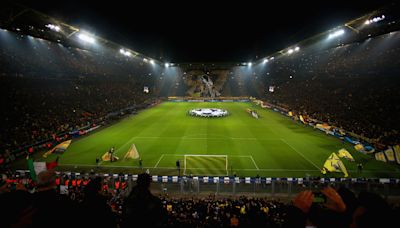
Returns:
point(205, 162)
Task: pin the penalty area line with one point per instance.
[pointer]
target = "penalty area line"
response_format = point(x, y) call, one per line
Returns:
point(159, 161)
point(301, 154)
point(254, 162)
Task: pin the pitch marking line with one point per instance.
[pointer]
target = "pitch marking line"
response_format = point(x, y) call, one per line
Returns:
point(159, 161)
point(254, 162)
point(301, 154)
point(235, 156)
point(200, 138)
point(287, 170)
point(179, 155)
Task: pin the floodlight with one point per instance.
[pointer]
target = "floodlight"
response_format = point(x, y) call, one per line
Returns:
point(86, 38)
point(166, 64)
point(336, 34)
point(374, 20)
point(126, 53)
point(53, 27)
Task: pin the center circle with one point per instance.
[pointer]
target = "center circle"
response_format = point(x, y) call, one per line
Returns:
point(208, 112)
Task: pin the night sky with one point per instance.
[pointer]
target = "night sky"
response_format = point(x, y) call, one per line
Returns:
point(202, 31)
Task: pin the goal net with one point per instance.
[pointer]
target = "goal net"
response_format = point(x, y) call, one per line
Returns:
point(205, 164)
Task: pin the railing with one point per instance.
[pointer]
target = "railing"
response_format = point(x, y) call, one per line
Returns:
point(255, 186)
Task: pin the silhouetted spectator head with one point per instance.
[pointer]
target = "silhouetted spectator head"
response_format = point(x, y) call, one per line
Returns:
point(93, 187)
point(372, 201)
point(373, 211)
point(46, 180)
point(144, 180)
point(349, 199)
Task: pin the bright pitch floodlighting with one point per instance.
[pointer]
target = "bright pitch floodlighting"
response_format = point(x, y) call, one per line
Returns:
point(151, 61)
point(86, 38)
point(166, 64)
point(265, 60)
point(53, 27)
point(297, 49)
point(290, 51)
point(249, 63)
point(336, 34)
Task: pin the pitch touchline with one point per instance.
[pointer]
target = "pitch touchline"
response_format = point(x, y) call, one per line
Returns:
point(288, 170)
point(125, 166)
point(200, 138)
point(235, 156)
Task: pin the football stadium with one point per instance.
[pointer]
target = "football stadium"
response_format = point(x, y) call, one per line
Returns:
point(305, 133)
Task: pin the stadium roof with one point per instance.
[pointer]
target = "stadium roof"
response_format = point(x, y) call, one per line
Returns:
point(204, 32)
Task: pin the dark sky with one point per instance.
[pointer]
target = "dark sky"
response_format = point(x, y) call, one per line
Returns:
point(195, 31)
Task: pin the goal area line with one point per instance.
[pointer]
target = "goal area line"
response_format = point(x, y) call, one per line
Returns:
point(214, 160)
point(226, 169)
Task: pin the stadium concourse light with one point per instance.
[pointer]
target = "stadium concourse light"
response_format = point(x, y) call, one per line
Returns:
point(53, 27)
point(86, 38)
point(336, 34)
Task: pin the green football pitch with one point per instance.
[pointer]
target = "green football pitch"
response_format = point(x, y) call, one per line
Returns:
point(272, 146)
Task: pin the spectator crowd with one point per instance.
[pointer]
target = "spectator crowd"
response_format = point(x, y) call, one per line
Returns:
point(48, 89)
point(95, 201)
point(353, 86)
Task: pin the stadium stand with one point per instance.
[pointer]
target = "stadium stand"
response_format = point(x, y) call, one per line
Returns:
point(334, 86)
point(96, 195)
point(68, 89)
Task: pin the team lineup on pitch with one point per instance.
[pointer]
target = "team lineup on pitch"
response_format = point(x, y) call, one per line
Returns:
point(272, 145)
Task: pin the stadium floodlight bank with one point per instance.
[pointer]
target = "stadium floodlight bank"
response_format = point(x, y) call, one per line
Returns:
point(195, 162)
